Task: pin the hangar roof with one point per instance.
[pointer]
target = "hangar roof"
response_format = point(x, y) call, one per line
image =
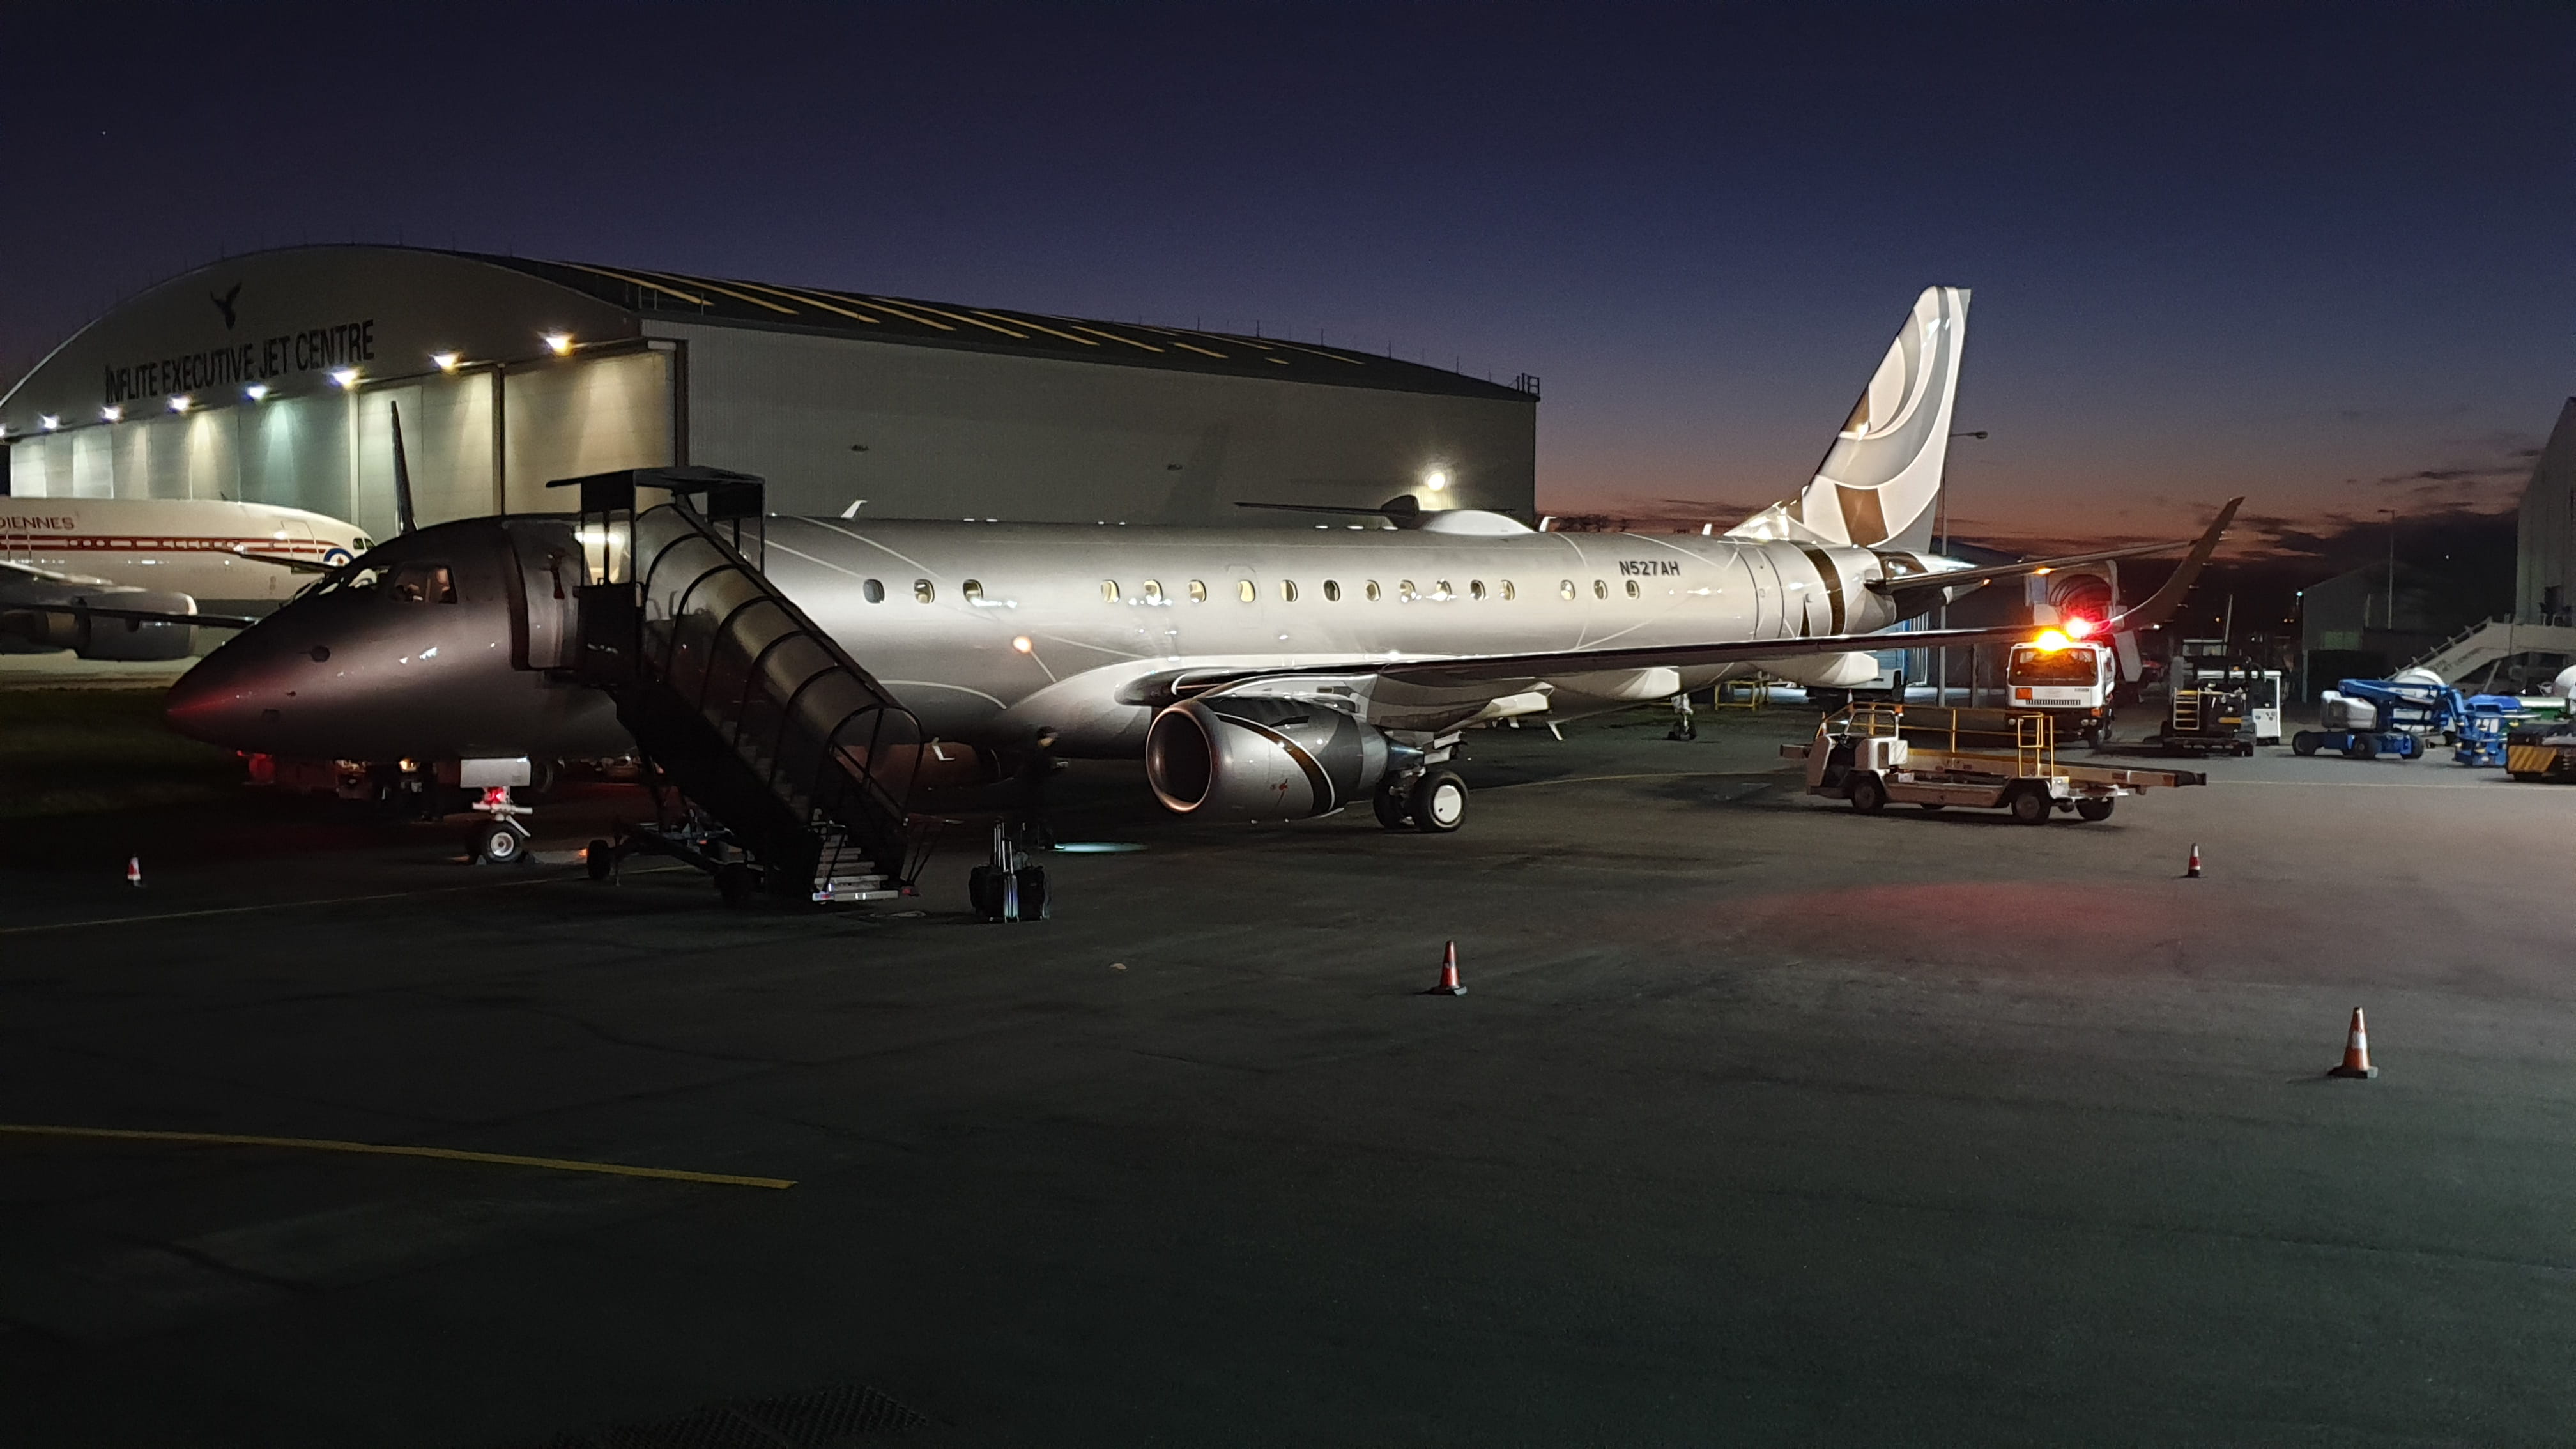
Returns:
point(777, 307)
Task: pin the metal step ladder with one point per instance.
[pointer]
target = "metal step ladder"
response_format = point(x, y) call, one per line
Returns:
point(2186, 711)
point(737, 697)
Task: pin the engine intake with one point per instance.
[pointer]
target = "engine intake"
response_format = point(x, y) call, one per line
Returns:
point(1261, 759)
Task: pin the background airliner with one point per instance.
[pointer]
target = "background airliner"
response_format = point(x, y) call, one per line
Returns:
point(106, 577)
point(1259, 673)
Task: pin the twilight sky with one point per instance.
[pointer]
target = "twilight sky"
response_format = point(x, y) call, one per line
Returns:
point(2324, 256)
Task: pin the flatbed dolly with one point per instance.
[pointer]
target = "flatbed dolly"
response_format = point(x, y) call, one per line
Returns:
point(1872, 755)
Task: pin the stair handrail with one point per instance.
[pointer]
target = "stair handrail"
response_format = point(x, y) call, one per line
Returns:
point(868, 778)
point(2472, 631)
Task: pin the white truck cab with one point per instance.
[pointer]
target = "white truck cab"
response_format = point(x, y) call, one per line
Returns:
point(2070, 682)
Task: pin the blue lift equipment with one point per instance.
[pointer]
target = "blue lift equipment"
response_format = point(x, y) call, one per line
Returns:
point(2363, 719)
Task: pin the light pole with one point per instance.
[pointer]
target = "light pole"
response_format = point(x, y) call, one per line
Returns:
point(1941, 662)
point(2389, 618)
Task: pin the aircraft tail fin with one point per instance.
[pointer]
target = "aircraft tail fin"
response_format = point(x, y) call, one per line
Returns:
point(1880, 482)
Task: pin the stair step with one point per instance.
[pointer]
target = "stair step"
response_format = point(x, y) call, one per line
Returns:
point(876, 893)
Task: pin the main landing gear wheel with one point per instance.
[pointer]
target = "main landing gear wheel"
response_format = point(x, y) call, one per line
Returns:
point(499, 843)
point(2094, 809)
point(599, 859)
point(1439, 802)
point(1393, 810)
point(1867, 795)
point(2030, 807)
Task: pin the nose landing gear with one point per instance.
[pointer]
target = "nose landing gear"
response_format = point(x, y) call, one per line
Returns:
point(502, 840)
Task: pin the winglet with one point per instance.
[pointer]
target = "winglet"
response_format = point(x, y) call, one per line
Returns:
point(2164, 601)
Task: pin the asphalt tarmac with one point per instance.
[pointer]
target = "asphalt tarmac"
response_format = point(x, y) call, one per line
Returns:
point(1762, 1122)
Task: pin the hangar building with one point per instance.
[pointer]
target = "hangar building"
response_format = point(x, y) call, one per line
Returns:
point(282, 376)
point(2545, 576)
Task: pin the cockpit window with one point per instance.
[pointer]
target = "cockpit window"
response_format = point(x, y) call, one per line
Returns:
point(422, 583)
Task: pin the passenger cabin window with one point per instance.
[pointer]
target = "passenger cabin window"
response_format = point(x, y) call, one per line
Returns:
point(1288, 590)
point(1600, 589)
point(1565, 588)
point(1404, 590)
point(1332, 592)
point(1109, 591)
point(1153, 591)
point(1198, 592)
point(1441, 590)
point(1475, 588)
point(1507, 591)
point(1372, 591)
point(1633, 590)
point(1244, 590)
point(875, 590)
point(974, 591)
point(922, 592)
point(423, 583)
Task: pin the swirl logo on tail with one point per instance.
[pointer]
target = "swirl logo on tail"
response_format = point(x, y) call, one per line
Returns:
point(1881, 477)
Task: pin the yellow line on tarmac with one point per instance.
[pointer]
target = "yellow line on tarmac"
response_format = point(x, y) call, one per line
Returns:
point(451, 1154)
point(480, 885)
point(483, 885)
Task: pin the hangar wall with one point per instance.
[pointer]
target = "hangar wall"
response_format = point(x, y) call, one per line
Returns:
point(276, 377)
point(333, 453)
point(921, 433)
point(2545, 539)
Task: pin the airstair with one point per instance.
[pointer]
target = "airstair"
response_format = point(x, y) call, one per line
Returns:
point(2492, 642)
point(802, 761)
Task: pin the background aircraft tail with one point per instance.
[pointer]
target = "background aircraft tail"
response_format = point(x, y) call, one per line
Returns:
point(1880, 482)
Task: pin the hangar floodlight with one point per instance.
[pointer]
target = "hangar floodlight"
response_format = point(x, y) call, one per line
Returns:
point(48, 421)
point(181, 403)
point(1435, 480)
point(446, 361)
point(559, 343)
point(111, 413)
point(255, 391)
point(345, 377)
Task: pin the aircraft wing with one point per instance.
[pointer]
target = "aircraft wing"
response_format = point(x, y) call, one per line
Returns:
point(299, 565)
point(1913, 593)
point(140, 616)
point(1497, 675)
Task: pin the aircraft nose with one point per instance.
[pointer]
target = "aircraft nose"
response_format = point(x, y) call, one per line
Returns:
point(233, 698)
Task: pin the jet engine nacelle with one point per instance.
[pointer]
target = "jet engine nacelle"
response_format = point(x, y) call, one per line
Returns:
point(1261, 759)
point(93, 637)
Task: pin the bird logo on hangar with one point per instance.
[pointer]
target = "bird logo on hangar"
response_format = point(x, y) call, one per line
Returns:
point(224, 304)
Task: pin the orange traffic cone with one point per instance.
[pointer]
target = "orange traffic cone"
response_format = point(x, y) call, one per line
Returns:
point(2356, 1052)
point(1448, 975)
point(2192, 871)
point(134, 871)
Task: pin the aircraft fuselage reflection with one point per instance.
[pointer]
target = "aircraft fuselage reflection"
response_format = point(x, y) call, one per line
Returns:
point(420, 650)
